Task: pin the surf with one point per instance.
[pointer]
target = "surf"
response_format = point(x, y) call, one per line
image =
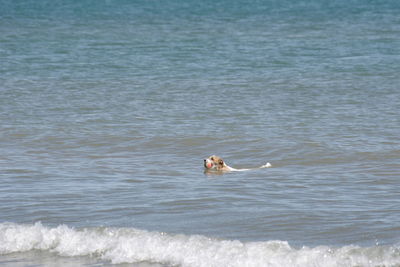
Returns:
point(131, 245)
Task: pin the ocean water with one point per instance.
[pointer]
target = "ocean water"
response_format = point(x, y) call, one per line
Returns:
point(108, 108)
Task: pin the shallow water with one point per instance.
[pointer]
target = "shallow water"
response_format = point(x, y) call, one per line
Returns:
point(108, 109)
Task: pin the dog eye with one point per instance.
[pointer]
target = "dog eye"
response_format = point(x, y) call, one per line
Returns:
point(212, 158)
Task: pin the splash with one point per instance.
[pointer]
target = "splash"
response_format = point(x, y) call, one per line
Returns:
point(129, 245)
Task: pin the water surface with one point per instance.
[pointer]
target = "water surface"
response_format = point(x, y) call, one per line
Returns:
point(108, 108)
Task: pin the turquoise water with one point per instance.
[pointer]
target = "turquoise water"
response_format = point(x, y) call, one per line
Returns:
point(108, 108)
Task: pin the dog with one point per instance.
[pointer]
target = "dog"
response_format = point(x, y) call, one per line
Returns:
point(217, 164)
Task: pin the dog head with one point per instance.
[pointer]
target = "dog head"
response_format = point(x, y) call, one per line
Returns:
point(214, 163)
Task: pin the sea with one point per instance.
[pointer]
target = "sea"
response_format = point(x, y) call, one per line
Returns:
point(109, 107)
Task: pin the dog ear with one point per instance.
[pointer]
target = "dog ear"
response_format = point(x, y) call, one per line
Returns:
point(221, 162)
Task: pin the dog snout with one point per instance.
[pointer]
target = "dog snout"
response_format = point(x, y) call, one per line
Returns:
point(205, 162)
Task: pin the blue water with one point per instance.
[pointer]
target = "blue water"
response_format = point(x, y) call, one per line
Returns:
point(108, 108)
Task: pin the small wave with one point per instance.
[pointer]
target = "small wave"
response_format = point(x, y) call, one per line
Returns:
point(129, 245)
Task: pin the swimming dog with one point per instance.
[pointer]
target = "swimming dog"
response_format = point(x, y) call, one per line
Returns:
point(215, 163)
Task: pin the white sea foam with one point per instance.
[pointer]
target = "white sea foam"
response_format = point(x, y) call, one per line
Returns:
point(129, 245)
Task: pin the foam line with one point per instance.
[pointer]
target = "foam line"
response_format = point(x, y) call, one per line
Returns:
point(129, 245)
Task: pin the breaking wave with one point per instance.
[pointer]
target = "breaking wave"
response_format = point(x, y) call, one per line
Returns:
point(129, 245)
